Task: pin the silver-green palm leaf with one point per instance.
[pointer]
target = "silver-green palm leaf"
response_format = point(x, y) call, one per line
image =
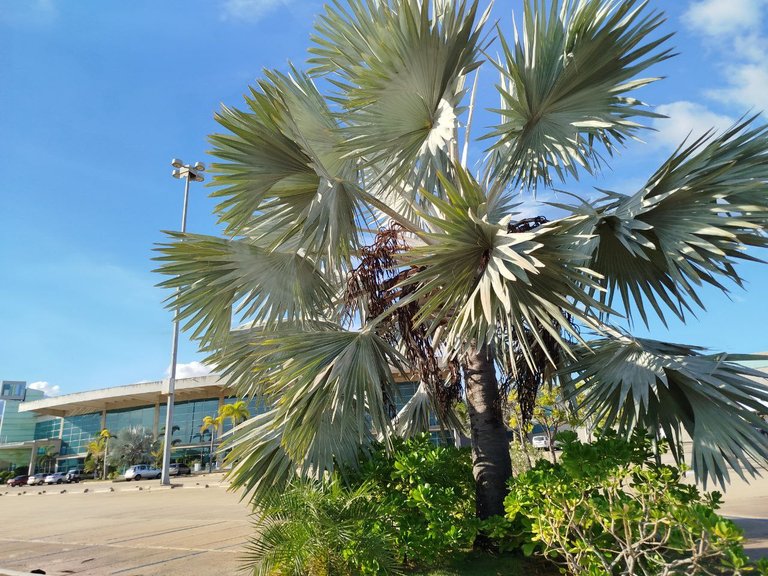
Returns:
point(400, 67)
point(217, 278)
point(631, 382)
point(564, 86)
point(689, 225)
point(476, 275)
point(283, 175)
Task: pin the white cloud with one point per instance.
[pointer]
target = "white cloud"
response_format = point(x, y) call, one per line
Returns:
point(686, 120)
point(735, 29)
point(747, 86)
point(250, 10)
point(48, 389)
point(723, 18)
point(190, 370)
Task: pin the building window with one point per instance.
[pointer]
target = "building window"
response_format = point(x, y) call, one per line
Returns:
point(78, 432)
point(47, 429)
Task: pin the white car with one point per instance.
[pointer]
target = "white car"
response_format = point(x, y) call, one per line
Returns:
point(142, 471)
point(37, 479)
point(540, 441)
point(56, 478)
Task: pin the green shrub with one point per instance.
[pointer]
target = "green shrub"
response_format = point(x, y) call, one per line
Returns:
point(413, 506)
point(607, 509)
point(427, 493)
point(322, 529)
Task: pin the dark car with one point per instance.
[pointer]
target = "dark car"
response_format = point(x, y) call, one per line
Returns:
point(177, 469)
point(18, 480)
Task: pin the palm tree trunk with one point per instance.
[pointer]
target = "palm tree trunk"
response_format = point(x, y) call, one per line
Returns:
point(492, 466)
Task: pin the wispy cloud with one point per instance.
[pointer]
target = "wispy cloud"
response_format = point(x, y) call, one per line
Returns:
point(47, 388)
point(735, 29)
point(687, 120)
point(190, 370)
point(250, 10)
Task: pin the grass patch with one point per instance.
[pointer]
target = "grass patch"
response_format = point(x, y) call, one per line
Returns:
point(483, 564)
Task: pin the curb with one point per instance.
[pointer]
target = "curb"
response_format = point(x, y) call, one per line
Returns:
point(5, 572)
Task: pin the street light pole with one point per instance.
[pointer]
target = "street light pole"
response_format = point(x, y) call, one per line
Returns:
point(188, 173)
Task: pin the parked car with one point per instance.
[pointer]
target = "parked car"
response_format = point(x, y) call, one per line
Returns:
point(74, 475)
point(177, 469)
point(55, 478)
point(37, 479)
point(142, 471)
point(540, 441)
point(18, 480)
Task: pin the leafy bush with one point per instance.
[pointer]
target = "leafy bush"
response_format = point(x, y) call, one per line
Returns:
point(607, 509)
point(322, 529)
point(427, 493)
point(413, 506)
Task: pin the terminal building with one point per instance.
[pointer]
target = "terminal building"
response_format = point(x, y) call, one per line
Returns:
point(52, 433)
point(58, 429)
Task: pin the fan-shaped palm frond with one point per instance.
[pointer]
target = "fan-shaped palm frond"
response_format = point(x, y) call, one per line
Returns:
point(629, 383)
point(690, 224)
point(485, 276)
point(564, 83)
point(283, 174)
point(327, 388)
point(216, 277)
point(400, 70)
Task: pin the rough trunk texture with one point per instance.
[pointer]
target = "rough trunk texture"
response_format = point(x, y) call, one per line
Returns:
point(490, 450)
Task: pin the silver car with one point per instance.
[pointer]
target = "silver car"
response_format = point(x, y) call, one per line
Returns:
point(36, 480)
point(142, 471)
point(56, 478)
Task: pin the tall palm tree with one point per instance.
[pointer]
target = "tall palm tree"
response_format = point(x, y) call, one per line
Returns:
point(361, 242)
point(211, 424)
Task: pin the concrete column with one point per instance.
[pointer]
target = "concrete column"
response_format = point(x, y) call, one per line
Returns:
point(104, 419)
point(61, 427)
point(156, 421)
point(33, 459)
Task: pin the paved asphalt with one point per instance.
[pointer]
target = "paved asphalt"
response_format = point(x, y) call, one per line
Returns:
point(197, 528)
point(139, 529)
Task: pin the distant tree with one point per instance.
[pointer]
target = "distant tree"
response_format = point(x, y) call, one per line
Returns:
point(47, 459)
point(133, 445)
point(211, 424)
point(236, 412)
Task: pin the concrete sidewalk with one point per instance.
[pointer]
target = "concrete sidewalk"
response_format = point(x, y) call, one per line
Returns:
point(747, 505)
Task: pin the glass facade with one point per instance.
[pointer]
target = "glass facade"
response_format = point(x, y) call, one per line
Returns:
point(255, 406)
point(131, 417)
point(188, 416)
point(47, 429)
point(78, 431)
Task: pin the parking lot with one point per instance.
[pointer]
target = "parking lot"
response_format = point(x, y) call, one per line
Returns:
point(198, 527)
point(127, 528)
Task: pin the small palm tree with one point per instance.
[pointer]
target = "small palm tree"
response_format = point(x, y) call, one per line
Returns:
point(211, 424)
point(360, 237)
point(48, 458)
point(236, 412)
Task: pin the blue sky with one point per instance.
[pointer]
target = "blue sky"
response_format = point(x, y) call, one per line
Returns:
point(97, 97)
